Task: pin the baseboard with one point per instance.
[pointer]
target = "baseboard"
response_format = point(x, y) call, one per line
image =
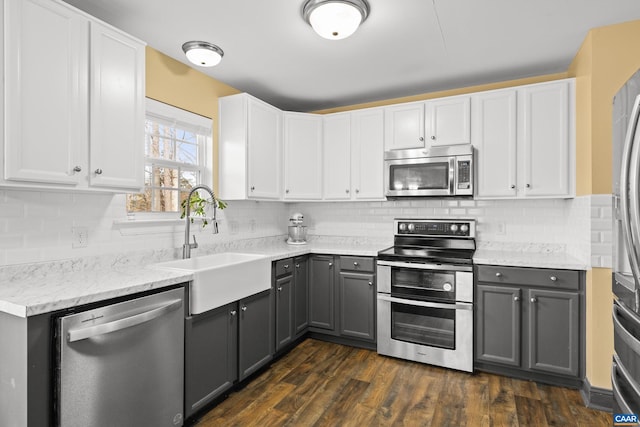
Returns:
point(595, 397)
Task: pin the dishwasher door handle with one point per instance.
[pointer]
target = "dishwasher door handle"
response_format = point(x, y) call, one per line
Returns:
point(127, 322)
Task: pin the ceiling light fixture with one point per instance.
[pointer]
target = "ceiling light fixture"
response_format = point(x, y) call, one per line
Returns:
point(203, 54)
point(335, 19)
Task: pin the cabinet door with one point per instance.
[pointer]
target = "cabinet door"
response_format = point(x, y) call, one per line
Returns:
point(357, 302)
point(117, 109)
point(448, 121)
point(322, 293)
point(211, 358)
point(336, 139)
point(255, 347)
point(367, 150)
point(46, 84)
point(302, 156)
point(544, 140)
point(498, 317)
point(284, 311)
point(404, 126)
point(553, 333)
point(265, 152)
point(494, 138)
point(301, 295)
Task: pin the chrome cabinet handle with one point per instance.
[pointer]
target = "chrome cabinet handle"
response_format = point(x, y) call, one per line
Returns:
point(513, 186)
point(528, 185)
point(516, 298)
point(498, 274)
point(286, 266)
point(433, 137)
point(355, 264)
point(233, 312)
point(534, 299)
point(553, 278)
point(98, 171)
point(357, 191)
point(421, 138)
point(279, 288)
point(253, 188)
point(370, 283)
point(330, 264)
point(243, 308)
point(286, 191)
point(77, 169)
point(346, 191)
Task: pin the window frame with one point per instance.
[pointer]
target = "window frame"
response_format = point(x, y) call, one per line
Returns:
point(166, 113)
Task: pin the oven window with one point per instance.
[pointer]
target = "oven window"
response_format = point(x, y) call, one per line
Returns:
point(423, 176)
point(434, 327)
point(423, 284)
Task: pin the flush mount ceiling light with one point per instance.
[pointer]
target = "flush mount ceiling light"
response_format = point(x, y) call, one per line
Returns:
point(335, 19)
point(203, 54)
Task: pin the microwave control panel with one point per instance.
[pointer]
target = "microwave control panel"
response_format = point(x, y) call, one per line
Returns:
point(464, 174)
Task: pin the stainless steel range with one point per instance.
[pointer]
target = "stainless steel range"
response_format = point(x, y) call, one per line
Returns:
point(425, 293)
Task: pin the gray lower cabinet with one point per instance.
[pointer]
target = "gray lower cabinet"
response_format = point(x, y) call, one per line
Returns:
point(530, 319)
point(211, 359)
point(291, 292)
point(301, 295)
point(357, 305)
point(322, 293)
point(255, 333)
point(284, 297)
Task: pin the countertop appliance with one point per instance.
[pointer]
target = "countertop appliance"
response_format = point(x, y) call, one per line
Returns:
point(440, 171)
point(625, 372)
point(297, 231)
point(122, 364)
point(425, 292)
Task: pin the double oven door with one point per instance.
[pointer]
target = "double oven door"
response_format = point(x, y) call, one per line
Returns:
point(425, 313)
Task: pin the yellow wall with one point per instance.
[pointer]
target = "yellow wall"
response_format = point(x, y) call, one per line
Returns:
point(174, 83)
point(608, 57)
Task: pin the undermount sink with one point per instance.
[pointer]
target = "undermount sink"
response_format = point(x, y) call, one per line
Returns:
point(219, 279)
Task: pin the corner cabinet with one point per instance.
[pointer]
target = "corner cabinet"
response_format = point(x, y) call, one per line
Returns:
point(302, 156)
point(250, 148)
point(525, 141)
point(50, 138)
point(353, 147)
point(528, 323)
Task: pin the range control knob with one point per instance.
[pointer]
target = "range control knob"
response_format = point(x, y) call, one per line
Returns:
point(453, 227)
point(464, 228)
point(412, 226)
point(402, 226)
point(447, 287)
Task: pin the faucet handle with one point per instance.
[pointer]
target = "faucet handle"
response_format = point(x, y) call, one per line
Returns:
point(215, 226)
point(195, 242)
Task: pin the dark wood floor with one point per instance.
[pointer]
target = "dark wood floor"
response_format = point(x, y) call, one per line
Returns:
point(324, 384)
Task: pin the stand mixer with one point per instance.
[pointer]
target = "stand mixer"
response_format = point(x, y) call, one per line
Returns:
point(297, 231)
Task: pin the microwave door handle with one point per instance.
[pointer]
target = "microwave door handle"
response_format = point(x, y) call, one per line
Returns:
point(452, 175)
point(627, 175)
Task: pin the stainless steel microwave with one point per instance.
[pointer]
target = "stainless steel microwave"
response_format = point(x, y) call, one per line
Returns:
point(444, 171)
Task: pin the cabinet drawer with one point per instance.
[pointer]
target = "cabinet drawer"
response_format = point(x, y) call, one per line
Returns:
point(357, 263)
point(553, 278)
point(284, 266)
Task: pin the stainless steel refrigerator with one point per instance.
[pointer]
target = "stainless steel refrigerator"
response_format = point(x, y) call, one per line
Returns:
point(625, 372)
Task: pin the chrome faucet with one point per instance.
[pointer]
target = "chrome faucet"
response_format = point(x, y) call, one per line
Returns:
point(186, 248)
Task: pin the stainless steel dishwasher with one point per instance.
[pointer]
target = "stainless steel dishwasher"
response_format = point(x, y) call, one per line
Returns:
point(123, 364)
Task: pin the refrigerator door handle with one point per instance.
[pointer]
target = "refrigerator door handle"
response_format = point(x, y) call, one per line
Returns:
point(628, 196)
point(619, 310)
point(616, 367)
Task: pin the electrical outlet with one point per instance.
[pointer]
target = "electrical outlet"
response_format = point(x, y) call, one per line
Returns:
point(79, 237)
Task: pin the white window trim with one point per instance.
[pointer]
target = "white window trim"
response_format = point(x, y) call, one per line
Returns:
point(170, 113)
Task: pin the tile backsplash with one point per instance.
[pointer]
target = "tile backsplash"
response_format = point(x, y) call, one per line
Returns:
point(37, 226)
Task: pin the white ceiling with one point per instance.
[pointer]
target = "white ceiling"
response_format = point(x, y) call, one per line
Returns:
point(405, 47)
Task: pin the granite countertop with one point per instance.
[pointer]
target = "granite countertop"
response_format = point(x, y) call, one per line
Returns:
point(37, 289)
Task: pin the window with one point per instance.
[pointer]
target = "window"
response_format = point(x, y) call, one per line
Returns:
point(177, 158)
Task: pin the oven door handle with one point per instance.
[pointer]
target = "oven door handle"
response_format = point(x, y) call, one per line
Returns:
point(456, 306)
point(425, 266)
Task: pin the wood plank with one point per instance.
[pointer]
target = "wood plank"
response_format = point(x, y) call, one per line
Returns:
point(530, 412)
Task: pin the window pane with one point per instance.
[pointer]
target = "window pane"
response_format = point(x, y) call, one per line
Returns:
point(165, 177)
point(189, 179)
point(165, 201)
point(185, 135)
point(147, 175)
point(140, 202)
point(187, 153)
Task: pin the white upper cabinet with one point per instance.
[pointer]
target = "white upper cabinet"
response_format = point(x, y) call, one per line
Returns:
point(448, 121)
point(546, 137)
point(250, 148)
point(525, 141)
point(494, 138)
point(353, 155)
point(404, 126)
point(59, 64)
point(117, 109)
point(46, 78)
point(367, 150)
point(336, 147)
point(302, 156)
